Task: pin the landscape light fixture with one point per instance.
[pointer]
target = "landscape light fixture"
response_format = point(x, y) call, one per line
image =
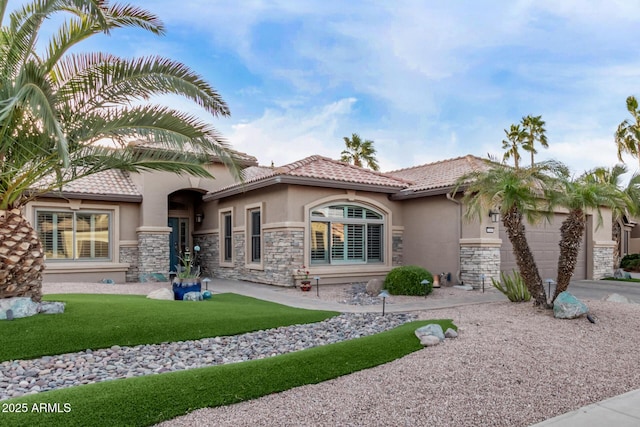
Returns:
point(317, 285)
point(206, 281)
point(482, 276)
point(383, 294)
point(425, 283)
point(550, 282)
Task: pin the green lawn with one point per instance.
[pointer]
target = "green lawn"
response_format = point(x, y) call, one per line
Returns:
point(151, 399)
point(622, 280)
point(100, 321)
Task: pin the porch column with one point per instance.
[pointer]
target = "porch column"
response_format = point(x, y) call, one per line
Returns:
point(153, 252)
point(603, 259)
point(479, 256)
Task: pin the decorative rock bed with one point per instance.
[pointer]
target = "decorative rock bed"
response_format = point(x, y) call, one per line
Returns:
point(21, 377)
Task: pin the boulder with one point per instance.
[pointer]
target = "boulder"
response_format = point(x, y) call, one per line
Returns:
point(450, 333)
point(162, 293)
point(618, 273)
point(20, 307)
point(429, 340)
point(618, 298)
point(51, 307)
point(432, 329)
point(192, 296)
point(567, 306)
point(464, 287)
point(374, 286)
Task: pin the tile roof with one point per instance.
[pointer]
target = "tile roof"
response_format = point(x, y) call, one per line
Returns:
point(112, 182)
point(320, 168)
point(442, 174)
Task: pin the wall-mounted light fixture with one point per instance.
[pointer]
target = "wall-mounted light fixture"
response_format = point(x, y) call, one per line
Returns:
point(199, 217)
point(494, 215)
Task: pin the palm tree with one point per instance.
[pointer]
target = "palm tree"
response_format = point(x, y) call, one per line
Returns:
point(54, 105)
point(628, 133)
point(613, 176)
point(533, 127)
point(359, 152)
point(516, 193)
point(515, 138)
point(579, 195)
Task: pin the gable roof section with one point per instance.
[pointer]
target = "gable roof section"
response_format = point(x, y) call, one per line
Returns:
point(438, 177)
point(316, 171)
point(112, 184)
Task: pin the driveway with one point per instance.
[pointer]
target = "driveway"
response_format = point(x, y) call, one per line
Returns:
point(600, 289)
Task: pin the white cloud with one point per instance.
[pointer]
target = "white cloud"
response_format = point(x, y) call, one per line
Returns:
point(284, 136)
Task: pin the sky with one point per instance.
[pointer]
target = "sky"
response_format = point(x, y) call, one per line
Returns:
point(425, 80)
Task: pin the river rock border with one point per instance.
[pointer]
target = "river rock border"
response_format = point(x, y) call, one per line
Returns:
point(22, 377)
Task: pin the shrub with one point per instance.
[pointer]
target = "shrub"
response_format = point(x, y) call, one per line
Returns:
point(512, 286)
point(407, 280)
point(629, 262)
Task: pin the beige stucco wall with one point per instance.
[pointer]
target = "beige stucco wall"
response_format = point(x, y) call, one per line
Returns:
point(432, 237)
point(286, 208)
point(156, 186)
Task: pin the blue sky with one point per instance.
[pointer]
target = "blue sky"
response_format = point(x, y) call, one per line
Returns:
point(426, 80)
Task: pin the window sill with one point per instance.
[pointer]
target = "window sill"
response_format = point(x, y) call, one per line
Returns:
point(82, 266)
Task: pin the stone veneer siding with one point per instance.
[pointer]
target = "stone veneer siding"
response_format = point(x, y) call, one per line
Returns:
point(282, 252)
point(397, 250)
point(602, 261)
point(153, 254)
point(129, 254)
point(478, 260)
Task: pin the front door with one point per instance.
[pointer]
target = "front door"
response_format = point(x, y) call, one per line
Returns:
point(178, 240)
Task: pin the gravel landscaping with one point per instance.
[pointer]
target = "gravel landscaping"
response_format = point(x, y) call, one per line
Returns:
point(512, 365)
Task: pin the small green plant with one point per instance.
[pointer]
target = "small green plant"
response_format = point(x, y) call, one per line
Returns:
point(407, 280)
point(189, 267)
point(512, 286)
point(630, 262)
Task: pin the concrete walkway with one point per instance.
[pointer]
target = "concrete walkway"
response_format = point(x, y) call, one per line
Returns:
point(619, 411)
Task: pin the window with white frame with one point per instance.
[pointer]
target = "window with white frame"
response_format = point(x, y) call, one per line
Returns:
point(67, 235)
point(255, 231)
point(346, 234)
point(227, 237)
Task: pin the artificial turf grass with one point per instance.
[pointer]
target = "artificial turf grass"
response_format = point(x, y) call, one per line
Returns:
point(101, 321)
point(151, 399)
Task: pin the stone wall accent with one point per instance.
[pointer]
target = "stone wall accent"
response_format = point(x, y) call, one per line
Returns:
point(129, 254)
point(397, 250)
point(476, 260)
point(282, 252)
point(209, 253)
point(153, 253)
point(602, 261)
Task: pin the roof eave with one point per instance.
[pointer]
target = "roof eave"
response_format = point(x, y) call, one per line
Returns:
point(300, 180)
point(133, 198)
point(410, 194)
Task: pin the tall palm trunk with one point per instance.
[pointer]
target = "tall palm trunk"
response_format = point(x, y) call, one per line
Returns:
point(21, 257)
point(515, 229)
point(571, 233)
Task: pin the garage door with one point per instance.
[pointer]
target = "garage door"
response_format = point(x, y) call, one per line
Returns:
point(543, 239)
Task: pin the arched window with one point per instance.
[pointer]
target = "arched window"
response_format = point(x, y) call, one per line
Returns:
point(346, 234)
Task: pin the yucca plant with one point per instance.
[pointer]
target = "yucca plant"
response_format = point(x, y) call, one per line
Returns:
point(55, 105)
point(512, 286)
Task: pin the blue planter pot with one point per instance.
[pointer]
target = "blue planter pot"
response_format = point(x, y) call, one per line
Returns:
point(183, 286)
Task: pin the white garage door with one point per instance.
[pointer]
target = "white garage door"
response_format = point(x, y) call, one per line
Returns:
point(543, 239)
